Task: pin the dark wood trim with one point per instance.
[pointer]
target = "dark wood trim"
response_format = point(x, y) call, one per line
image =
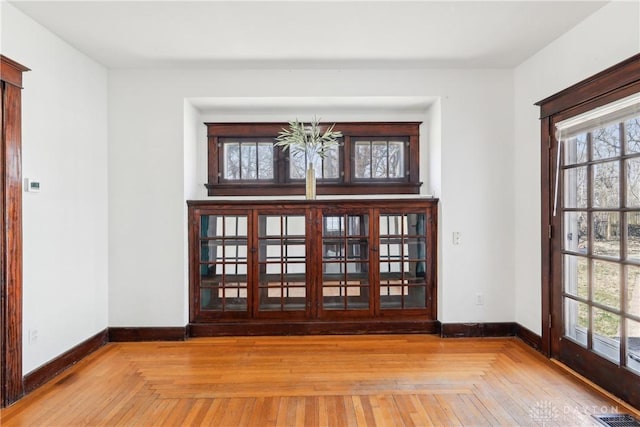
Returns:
point(478, 330)
point(345, 184)
point(11, 381)
point(298, 189)
point(132, 334)
point(530, 338)
point(347, 129)
point(11, 71)
point(69, 358)
point(621, 74)
point(545, 236)
point(341, 327)
point(493, 330)
point(337, 204)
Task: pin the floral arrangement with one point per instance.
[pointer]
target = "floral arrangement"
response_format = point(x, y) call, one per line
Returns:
point(308, 140)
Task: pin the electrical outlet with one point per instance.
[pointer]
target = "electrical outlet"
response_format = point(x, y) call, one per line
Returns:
point(457, 237)
point(479, 299)
point(33, 336)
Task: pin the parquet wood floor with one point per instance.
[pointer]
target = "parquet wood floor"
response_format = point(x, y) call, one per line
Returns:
point(389, 380)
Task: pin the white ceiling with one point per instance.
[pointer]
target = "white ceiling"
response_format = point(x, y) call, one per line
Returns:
point(491, 34)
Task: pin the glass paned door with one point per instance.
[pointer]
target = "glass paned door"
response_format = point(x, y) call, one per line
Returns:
point(402, 261)
point(345, 263)
point(282, 284)
point(600, 221)
point(223, 263)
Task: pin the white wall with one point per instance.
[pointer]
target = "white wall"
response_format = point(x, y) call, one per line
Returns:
point(65, 225)
point(147, 185)
point(607, 37)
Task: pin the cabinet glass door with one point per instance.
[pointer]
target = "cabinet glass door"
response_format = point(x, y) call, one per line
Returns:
point(223, 263)
point(402, 264)
point(345, 262)
point(282, 263)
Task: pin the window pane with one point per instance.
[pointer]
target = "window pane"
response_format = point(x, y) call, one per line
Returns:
point(295, 225)
point(379, 159)
point(231, 160)
point(606, 283)
point(575, 187)
point(392, 225)
point(363, 159)
point(575, 150)
point(606, 334)
point(576, 276)
point(633, 345)
point(210, 226)
point(606, 188)
point(632, 130)
point(633, 236)
point(396, 159)
point(576, 233)
point(633, 182)
point(606, 142)
point(235, 225)
point(416, 297)
point(248, 161)
point(331, 164)
point(633, 290)
point(576, 320)
point(297, 164)
point(606, 234)
point(265, 160)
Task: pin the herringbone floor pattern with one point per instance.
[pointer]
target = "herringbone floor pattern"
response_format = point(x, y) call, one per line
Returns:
point(403, 380)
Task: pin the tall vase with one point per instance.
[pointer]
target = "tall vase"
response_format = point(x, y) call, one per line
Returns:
point(310, 189)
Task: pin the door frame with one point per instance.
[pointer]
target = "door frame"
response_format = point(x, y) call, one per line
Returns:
point(607, 86)
point(11, 384)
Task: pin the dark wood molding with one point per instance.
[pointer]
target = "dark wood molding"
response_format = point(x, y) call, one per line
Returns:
point(388, 204)
point(493, 330)
point(298, 189)
point(619, 75)
point(132, 334)
point(11, 385)
point(545, 234)
point(69, 358)
point(478, 330)
point(530, 338)
point(11, 71)
point(347, 128)
point(344, 184)
point(313, 328)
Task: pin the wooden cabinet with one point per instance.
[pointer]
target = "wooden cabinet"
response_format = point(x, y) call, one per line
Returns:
point(294, 267)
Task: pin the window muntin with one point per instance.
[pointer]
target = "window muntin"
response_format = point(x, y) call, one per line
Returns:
point(242, 160)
